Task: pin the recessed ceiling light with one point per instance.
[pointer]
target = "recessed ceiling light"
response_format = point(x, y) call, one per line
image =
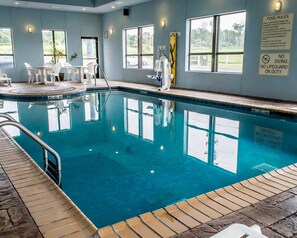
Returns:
point(84, 9)
point(112, 7)
point(16, 3)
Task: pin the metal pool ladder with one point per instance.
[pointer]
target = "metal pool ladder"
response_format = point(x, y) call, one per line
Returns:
point(104, 77)
point(51, 168)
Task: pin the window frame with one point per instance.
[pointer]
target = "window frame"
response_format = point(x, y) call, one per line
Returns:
point(139, 54)
point(215, 53)
point(12, 47)
point(54, 44)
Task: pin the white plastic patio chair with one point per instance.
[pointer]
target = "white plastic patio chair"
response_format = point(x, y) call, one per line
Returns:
point(48, 66)
point(4, 78)
point(32, 73)
point(71, 71)
point(90, 71)
point(53, 74)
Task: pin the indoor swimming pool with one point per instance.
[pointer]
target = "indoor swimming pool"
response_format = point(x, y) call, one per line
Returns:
point(127, 154)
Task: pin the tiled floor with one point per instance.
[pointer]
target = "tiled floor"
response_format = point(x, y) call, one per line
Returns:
point(14, 217)
point(268, 200)
point(277, 217)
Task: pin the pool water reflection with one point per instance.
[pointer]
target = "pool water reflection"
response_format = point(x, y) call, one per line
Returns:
point(138, 153)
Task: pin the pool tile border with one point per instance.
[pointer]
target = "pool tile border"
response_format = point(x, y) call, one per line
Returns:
point(150, 90)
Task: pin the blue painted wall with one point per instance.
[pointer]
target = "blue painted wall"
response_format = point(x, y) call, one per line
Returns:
point(28, 46)
point(176, 12)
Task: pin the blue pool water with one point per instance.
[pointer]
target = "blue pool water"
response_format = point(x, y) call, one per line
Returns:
point(142, 153)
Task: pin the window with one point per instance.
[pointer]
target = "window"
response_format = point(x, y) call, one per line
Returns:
point(6, 49)
point(217, 43)
point(139, 47)
point(54, 46)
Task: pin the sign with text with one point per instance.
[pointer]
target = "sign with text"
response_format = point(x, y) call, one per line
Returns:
point(274, 64)
point(268, 137)
point(277, 32)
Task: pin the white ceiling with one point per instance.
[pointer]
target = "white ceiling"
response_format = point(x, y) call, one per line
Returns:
point(112, 6)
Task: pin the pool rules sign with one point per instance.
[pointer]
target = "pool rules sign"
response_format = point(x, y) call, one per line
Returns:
point(274, 64)
point(276, 36)
point(277, 32)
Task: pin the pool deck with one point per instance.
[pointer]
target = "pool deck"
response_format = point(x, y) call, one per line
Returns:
point(31, 205)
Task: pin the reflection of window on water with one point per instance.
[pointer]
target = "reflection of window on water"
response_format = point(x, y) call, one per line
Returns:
point(212, 140)
point(11, 109)
point(139, 118)
point(91, 107)
point(197, 135)
point(59, 116)
point(226, 143)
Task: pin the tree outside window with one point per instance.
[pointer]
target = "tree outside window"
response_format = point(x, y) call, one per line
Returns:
point(54, 46)
point(217, 43)
point(139, 47)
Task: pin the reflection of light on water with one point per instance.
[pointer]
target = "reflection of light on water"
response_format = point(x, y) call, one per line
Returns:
point(113, 128)
point(116, 152)
point(90, 150)
point(38, 133)
point(161, 147)
point(152, 171)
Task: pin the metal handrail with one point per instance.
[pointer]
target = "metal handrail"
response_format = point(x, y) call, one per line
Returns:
point(104, 77)
point(46, 148)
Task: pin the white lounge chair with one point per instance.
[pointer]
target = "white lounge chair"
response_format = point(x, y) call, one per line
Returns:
point(238, 230)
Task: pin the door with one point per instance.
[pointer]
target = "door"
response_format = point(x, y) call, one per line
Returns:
point(90, 50)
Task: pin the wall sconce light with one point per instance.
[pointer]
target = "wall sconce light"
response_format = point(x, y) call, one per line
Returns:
point(277, 6)
point(163, 23)
point(111, 31)
point(30, 29)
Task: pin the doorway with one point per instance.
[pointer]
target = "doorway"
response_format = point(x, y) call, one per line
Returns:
point(90, 52)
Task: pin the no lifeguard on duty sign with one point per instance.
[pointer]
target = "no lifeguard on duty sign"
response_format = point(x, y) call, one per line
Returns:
point(274, 64)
